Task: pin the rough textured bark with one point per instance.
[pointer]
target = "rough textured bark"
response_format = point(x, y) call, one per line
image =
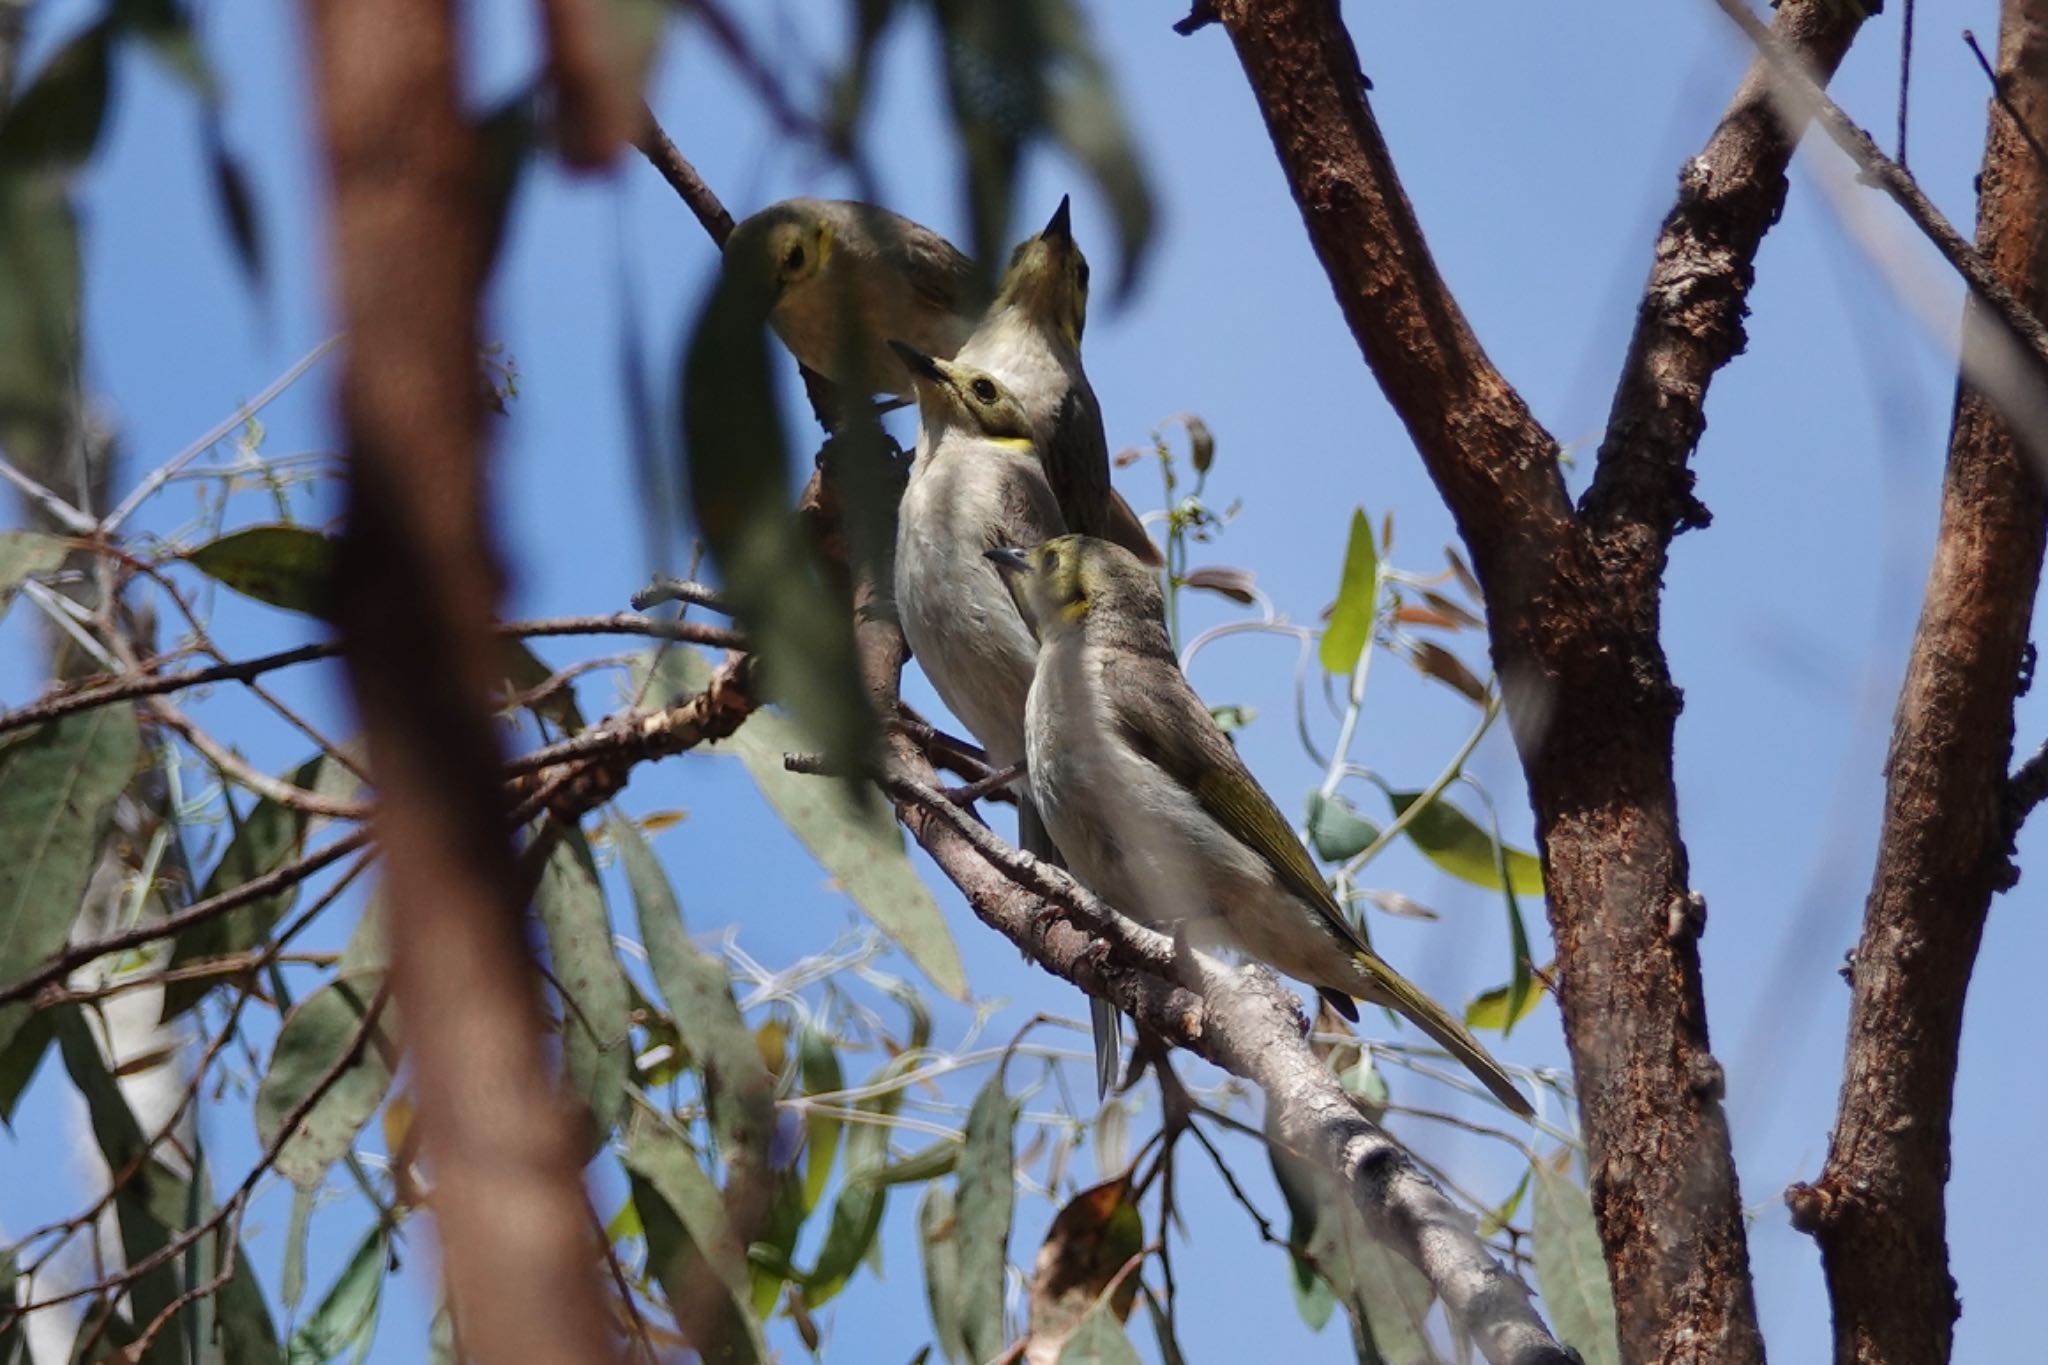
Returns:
point(416, 585)
point(1877, 1209)
point(1573, 602)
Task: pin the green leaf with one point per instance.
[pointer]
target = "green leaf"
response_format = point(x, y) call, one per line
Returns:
point(347, 1316)
point(1336, 831)
point(284, 566)
point(270, 837)
point(137, 1204)
point(166, 30)
point(39, 307)
point(691, 1250)
point(1099, 1340)
point(929, 1163)
point(23, 555)
point(938, 1239)
point(525, 670)
point(58, 784)
point(818, 1065)
point(292, 1278)
point(1489, 1009)
point(738, 484)
point(857, 1212)
point(1358, 601)
point(595, 1008)
point(19, 1060)
point(1497, 1218)
point(315, 1036)
point(1449, 838)
point(237, 201)
point(860, 845)
point(56, 122)
point(1313, 1298)
point(1569, 1268)
point(738, 1090)
point(984, 1203)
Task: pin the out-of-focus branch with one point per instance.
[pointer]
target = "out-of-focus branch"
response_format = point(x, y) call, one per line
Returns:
point(594, 104)
point(417, 580)
point(683, 178)
point(1877, 1209)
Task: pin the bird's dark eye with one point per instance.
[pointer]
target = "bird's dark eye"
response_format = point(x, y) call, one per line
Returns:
point(1081, 273)
point(793, 261)
point(985, 390)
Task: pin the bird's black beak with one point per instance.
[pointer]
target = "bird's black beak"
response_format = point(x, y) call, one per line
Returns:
point(1009, 559)
point(1061, 228)
point(916, 361)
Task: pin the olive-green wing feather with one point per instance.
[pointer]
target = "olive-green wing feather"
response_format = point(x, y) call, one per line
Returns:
point(1164, 720)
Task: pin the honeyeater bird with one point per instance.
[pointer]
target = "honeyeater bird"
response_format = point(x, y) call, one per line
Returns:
point(1031, 341)
point(976, 484)
point(846, 277)
point(1155, 811)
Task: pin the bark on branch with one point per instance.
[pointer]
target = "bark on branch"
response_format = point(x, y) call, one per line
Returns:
point(1877, 1209)
point(1574, 613)
point(417, 581)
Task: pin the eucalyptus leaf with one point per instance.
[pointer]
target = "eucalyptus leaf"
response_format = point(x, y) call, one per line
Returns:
point(347, 1316)
point(938, 1236)
point(818, 1066)
point(23, 555)
point(1358, 600)
point(736, 457)
point(1099, 1340)
point(20, 1058)
point(1336, 831)
point(39, 308)
point(860, 845)
point(315, 1036)
point(292, 1277)
point(595, 1007)
point(1569, 1267)
point(739, 1092)
point(56, 121)
point(857, 1211)
point(691, 1249)
point(1489, 1009)
point(1449, 838)
point(58, 785)
point(285, 566)
point(268, 838)
point(984, 1202)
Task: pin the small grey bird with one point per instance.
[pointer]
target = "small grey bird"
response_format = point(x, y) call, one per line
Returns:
point(1155, 810)
point(976, 485)
point(846, 277)
point(1031, 340)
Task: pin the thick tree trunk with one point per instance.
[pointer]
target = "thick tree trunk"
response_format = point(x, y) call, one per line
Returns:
point(1573, 599)
point(1877, 1209)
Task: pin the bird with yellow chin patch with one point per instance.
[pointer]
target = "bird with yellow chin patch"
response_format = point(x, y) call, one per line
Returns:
point(1031, 340)
point(841, 278)
point(1155, 811)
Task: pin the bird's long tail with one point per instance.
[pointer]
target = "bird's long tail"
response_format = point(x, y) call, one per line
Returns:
point(1033, 839)
point(1391, 989)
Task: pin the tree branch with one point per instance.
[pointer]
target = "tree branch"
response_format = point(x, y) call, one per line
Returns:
point(1689, 323)
point(1877, 1209)
point(1574, 634)
point(416, 583)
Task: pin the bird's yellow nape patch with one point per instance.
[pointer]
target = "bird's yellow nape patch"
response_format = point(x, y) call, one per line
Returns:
point(1074, 608)
point(1011, 442)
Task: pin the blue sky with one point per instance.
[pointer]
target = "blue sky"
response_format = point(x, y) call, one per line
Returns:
point(1540, 146)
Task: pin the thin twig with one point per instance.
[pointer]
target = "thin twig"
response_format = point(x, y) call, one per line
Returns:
point(1905, 76)
point(170, 926)
point(156, 478)
point(683, 178)
point(667, 589)
point(1800, 92)
point(73, 519)
point(263, 784)
point(2004, 101)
